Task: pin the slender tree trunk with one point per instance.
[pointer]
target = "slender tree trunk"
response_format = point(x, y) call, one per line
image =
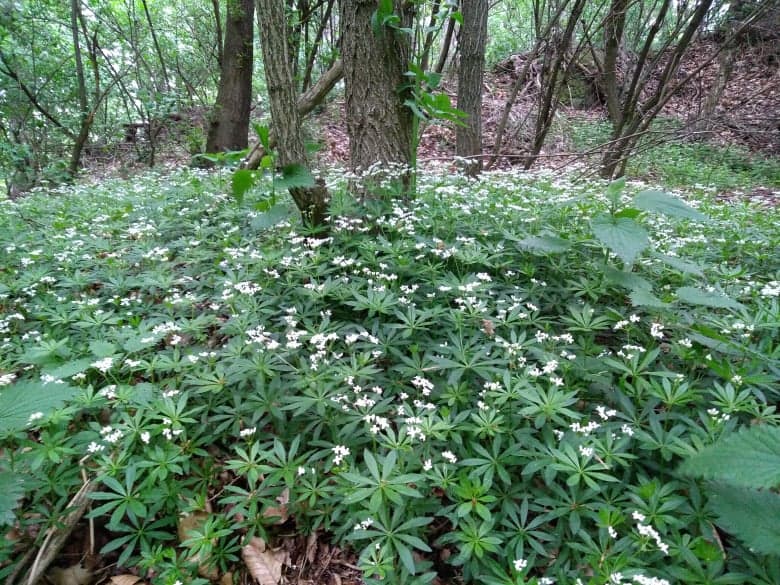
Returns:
point(316, 45)
point(472, 64)
point(305, 104)
point(444, 53)
point(84, 113)
point(229, 125)
point(218, 31)
point(614, 25)
point(311, 201)
point(379, 125)
point(164, 69)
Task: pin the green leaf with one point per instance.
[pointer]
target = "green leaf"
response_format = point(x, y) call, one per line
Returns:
point(102, 349)
point(71, 368)
point(241, 181)
point(614, 189)
point(698, 296)
point(295, 176)
point(272, 217)
point(658, 201)
point(263, 135)
point(627, 280)
point(544, 243)
point(11, 493)
point(752, 516)
point(680, 264)
point(749, 458)
point(622, 235)
point(645, 298)
point(20, 400)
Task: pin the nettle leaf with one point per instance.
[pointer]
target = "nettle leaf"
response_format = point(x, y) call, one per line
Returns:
point(294, 176)
point(645, 298)
point(11, 493)
point(698, 296)
point(627, 280)
point(660, 202)
point(544, 243)
point(20, 400)
point(622, 235)
point(680, 264)
point(241, 182)
point(102, 349)
point(752, 516)
point(274, 216)
point(749, 458)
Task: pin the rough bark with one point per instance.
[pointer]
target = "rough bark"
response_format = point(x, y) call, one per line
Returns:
point(614, 25)
point(311, 201)
point(229, 125)
point(379, 125)
point(472, 64)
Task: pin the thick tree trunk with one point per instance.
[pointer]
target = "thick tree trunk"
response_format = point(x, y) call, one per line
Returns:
point(379, 125)
point(311, 201)
point(229, 125)
point(472, 64)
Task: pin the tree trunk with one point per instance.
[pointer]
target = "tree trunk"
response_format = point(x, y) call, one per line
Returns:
point(229, 125)
point(84, 114)
point(311, 201)
point(379, 125)
point(472, 64)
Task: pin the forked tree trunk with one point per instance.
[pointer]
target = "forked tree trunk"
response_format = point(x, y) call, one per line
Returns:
point(379, 125)
point(229, 124)
point(282, 96)
point(472, 65)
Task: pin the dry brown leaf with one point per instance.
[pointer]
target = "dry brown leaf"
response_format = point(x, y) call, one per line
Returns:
point(311, 548)
point(264, 564)
point(226, 579)
point(73, 575)
point(124, 579)
point(279, 512)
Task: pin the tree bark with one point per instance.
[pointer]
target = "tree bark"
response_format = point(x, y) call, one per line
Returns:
point(379, 125)
point(311, 201)
point(470, 74)
point(229, 125)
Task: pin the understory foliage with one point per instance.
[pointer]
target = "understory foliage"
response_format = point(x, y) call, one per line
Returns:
point(483, 384)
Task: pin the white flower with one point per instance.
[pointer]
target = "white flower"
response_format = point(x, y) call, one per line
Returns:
point(104, 364)
point(146, 437)
point(450, 456)
point(520, 564)
point(248, 432)
point(34, 416)
point(340, 452)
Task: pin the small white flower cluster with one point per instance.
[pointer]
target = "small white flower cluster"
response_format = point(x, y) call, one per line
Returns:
point(103, 365)
point(520, 564)
point(365, 524)
point(771, 289)
point(649, 531)
point(110, 435)
point(262, 338)
point(247, 432)
point(6, 379)
point(625, 322)
point(450, 456)
point(340, 451)
point(657, 330)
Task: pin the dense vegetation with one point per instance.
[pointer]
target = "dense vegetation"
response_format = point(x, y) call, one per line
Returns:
point(496, 381)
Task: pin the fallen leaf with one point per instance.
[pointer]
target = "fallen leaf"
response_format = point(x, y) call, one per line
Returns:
point(311, 548)
point(125, 579)
point(226, 579)
point(73, 575)
point(279, 512)
point(264, 564)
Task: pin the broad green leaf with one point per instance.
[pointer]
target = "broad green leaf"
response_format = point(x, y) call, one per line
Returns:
point(545, 243)
point(263, 135)
point(622, 235)
point(645, 298)
point(71, 368)
point(752, 516)
point(11, 493)
point(627, 280)
point(749, 458)
point(102, 349)
point(680, 264)
point(241, 181)
point(294, 176)
point(658, 201)
point(698, 296)
point(614, 189)
point(272, 217)
point(20, 400)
